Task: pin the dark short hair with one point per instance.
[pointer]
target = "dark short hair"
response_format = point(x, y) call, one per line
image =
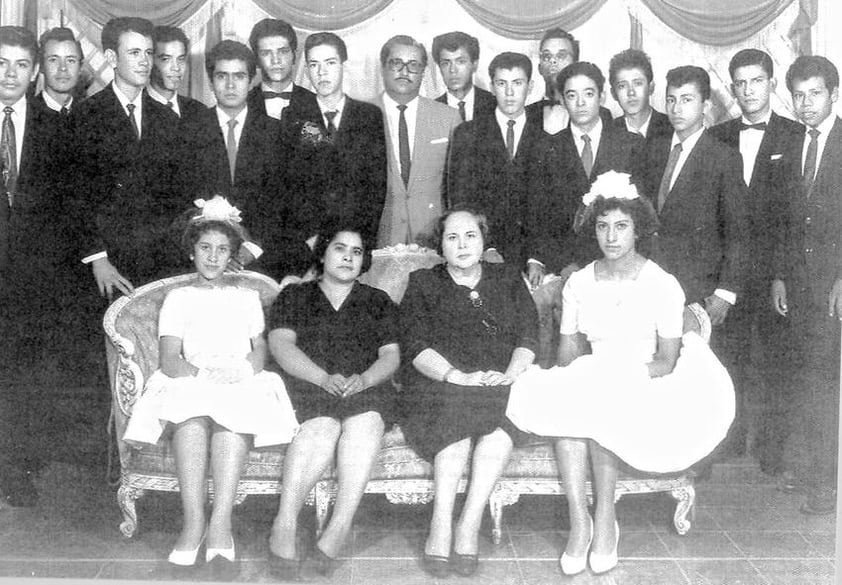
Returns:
point(585, 68)
point(326, 38)
point(453, 41)
point(690, 74)
point(404, 40)
point(807, 66)
point(169, 34)
point(59, 34)
point(329, 231)
point(629, 59)
point(230, 50)
point(509, 61)
point(272, 27)
point(482, 222)
point(196, 228)
point(114, 29)
point(747, 57)
point(560, 33)
point(18, 36)
point(640, 210)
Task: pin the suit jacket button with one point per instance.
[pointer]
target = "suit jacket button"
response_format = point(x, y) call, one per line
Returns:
point(119, 185)
point(809, 250)
point(808, 220)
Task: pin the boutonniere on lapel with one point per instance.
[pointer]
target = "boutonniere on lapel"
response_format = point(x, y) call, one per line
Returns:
point(313, 135)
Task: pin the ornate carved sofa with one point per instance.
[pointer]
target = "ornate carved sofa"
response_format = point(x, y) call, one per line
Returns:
point(132, 350)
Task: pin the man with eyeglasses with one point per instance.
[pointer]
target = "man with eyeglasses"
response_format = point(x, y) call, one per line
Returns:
point(557, 50)
point(274, 43)
point(418, 132)
point(457, 55)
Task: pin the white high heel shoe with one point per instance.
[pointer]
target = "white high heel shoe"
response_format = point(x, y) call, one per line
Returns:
point(604, 563)
point(225, 553)
point(571, 565)
point(186, 558)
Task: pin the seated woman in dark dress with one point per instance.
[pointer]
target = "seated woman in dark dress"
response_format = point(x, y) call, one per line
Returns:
point(336, 341)
point(468, 330)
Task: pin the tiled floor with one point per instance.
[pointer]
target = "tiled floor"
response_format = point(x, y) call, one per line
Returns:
point(744, 532)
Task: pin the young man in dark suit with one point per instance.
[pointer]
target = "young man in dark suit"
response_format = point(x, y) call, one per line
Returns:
point(696, 183)
point(61, 60)
point(33, 258)
point(632, 83)
point(766, 142)
point(234, 151)
point(127, 189)
point(457, 56)
point(566, 165)
point(807, 289)
point(274, 43)
point(170, 64)
point(490, 159)
point(335, 148)
point(557, 50)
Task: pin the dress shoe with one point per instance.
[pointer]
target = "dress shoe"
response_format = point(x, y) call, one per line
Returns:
point(186, 558)
point(820, 503)
point(325, 565)
point(436, 565)
point(222, 563)
point(465, 565)
point(571, 565)
point(604, 563)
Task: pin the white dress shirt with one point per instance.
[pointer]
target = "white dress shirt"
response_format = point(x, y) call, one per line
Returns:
point(503, 124)
point(275, 106)
point(339, 108)
point(453, 102)
point(750, 140)
point(53, 104)
point(595, 135)
point(393, 119)
point(164, 101)
point(19, 120)
point(824, 130)
point(644, 128)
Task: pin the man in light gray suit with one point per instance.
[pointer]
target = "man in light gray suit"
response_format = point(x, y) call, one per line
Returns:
point(418, 132)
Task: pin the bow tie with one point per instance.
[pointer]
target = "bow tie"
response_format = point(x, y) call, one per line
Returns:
point(284, 95)
point(758, 126)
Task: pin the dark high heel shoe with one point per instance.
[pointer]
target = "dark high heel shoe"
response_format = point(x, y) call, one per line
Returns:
point(325, 565)
point(465, 565)
point(436, 565)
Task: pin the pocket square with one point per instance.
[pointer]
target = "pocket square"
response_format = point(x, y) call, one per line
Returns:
point(439, 140)
point(776, 157)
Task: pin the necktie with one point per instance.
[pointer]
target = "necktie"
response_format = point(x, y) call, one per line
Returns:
point(133, 120)
point(664, 188)
point(331, 127)
point(8, 153)
point(403, 145)
point(810, 161)
point(462, 110)
point(759, 126)
point(510, 138)
point(232, 147)
point(284, 95)
point(64, 111)
point(587, 155)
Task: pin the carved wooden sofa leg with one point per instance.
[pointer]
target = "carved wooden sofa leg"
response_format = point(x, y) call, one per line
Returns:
point(126, 497)
point(685, 497)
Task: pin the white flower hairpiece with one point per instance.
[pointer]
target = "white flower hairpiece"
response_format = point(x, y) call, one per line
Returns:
point(611, 184)
point(218, 209)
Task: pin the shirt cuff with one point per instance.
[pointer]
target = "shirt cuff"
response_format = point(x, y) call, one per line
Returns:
point(254, 249)
point(726, 295)
point(538, 262)
point(92, 257)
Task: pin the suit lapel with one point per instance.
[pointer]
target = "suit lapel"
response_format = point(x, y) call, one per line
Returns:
point(829, 162)
point(422, 140)
point(394, 165)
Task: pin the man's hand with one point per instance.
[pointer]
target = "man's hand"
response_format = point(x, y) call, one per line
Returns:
point(717, 308)
point(492, 256)
point(243, 258)
point(535, 274)
point(835, 301)
point(354, 384)
point(107, 279)
point(334, 384)
point(567, 271)
point(778, 292)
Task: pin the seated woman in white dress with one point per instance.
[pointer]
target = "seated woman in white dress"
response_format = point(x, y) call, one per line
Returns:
point(629, 385)
point(211, 387)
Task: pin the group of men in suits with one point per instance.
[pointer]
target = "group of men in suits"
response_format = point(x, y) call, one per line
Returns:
point(743, 206)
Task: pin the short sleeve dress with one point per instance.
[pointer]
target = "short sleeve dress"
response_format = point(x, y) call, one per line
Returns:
point(344, 341)
point(474, 329)
point(215, 325)
point(662, 424)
